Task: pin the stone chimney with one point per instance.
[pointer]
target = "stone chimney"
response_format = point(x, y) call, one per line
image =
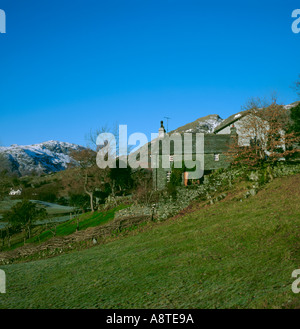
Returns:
point(233, 130)
point(161, 130)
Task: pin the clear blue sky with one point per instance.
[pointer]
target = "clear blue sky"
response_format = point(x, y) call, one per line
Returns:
point(71, 66)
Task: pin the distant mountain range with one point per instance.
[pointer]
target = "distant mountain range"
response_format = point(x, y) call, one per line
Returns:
point(47, 157)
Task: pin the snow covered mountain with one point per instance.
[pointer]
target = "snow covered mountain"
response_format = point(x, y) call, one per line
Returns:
point(204, 125)
point(47, 157)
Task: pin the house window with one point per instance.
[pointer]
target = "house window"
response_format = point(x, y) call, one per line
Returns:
point(217, 157)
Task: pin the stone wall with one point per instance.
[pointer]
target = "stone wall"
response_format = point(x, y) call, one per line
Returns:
point(208, 191)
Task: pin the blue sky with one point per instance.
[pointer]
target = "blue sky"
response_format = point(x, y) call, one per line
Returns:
point(68, 67)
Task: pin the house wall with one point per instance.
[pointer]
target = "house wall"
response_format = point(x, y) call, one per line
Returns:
point(211, 164)
point(242, 126)
point(214, 144)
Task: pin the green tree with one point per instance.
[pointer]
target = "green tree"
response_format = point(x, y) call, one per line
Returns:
point(295, 116)
point(121, 178)
point(79, 201)
point(23, 215)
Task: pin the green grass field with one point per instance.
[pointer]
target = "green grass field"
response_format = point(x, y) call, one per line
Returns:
point(228, 255)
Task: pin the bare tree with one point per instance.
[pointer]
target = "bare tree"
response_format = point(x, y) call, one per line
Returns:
point(296, 86)
point(119, 175)
point(263, 134)
point(85, 175)
point(91, 138)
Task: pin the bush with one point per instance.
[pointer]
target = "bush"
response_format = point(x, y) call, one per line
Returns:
point(175, 180)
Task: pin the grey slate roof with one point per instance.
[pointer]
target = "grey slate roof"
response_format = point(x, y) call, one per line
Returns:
point(230, 120)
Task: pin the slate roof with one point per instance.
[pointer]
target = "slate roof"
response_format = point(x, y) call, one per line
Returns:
point(233, 118)
point(230, 120)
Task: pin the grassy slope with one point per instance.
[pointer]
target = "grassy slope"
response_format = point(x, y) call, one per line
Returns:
point(229, 255)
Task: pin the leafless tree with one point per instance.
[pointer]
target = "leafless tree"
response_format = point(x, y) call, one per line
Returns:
point(263, 134)
point(296, 86)
point(85, 175)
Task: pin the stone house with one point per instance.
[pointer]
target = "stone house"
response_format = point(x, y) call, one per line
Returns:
point(213, 155)
point(215, 152)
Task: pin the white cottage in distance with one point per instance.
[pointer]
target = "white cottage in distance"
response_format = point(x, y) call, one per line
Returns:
point(15, 192)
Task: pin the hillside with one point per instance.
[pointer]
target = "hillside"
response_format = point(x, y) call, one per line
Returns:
point(205, 125)
point(227, 255)
point(43, 158)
